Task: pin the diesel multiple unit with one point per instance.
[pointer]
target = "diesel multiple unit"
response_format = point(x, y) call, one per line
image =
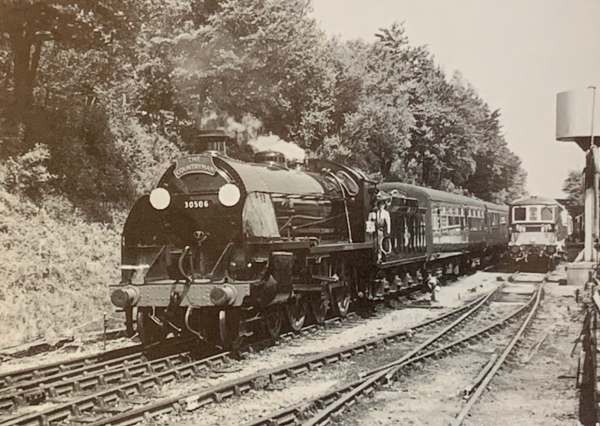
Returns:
point(539, 228)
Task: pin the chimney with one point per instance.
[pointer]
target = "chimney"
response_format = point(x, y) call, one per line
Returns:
point(212, 140)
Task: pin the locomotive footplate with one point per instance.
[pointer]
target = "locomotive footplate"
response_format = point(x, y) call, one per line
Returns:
point(321, 283)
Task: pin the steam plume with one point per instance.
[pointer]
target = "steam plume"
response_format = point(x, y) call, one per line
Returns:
point(275, 143)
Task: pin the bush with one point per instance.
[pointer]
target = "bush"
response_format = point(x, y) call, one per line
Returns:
point(56, 268)
point(28, 174)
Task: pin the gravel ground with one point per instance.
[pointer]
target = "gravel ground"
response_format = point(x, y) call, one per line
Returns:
point(431, 396)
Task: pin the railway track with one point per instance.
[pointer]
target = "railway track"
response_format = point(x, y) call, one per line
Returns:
point(330, 405)
point(127, 403)
point(84, 374)
point(56, 381)
point(483, 380)
point(89, 362)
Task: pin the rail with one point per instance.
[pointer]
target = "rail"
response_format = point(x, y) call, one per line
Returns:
point(14, 377)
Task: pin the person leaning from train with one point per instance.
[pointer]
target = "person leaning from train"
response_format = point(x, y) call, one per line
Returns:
point(382, 220)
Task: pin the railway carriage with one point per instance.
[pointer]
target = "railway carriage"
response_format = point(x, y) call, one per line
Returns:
point(223, 248)
point(458, 231)
point(539, 228)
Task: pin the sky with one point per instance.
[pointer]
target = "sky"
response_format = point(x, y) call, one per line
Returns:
point(518, 54)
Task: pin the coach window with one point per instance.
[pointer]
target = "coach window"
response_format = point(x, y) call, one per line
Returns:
point(547, 213)
point(519, 213)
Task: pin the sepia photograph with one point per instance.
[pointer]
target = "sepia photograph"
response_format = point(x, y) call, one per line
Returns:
point(299, 212)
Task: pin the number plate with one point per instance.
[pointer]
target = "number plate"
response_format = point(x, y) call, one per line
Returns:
point(196, 204)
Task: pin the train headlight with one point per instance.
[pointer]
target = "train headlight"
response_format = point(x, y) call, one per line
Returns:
point(160, 198)
point(229, 195)
point(515, 249)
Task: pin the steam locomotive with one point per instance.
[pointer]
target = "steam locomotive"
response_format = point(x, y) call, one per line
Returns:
point(222, 248)
point(539, 228)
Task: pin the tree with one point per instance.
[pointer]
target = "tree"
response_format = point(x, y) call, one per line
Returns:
point(263, 58)
point(377, 134)
point(30, 24)
point(408, 121)
point(376, 124)
point(573, 187)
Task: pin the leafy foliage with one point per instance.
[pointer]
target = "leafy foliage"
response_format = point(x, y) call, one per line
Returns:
point(56, 268)
point(28, 174)
point(573, 187)
point(80, 24)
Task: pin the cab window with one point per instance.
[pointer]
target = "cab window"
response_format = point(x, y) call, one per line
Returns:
point(547, 213)
point(519, 213)
point(533, 213)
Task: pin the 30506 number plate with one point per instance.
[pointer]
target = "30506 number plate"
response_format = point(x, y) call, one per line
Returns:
point(196, 204)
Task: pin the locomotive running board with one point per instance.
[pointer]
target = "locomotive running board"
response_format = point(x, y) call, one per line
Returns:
point(335, 247)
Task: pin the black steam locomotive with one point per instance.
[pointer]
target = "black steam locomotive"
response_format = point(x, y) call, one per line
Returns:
point(222, 248)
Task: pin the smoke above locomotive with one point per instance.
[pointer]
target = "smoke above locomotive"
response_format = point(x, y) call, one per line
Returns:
point(289, 150)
